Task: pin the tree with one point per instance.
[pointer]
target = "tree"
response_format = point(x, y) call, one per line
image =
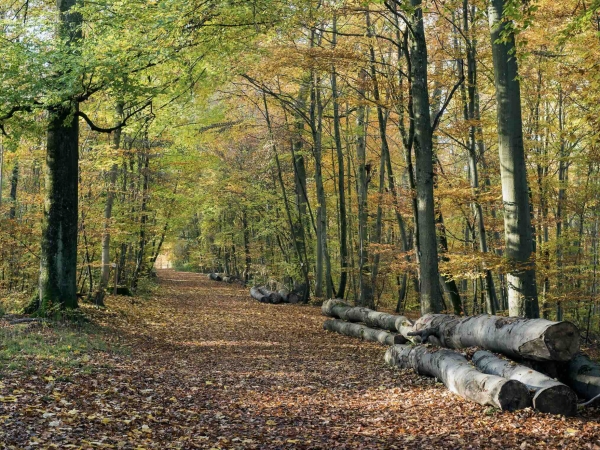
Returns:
point(522, 289)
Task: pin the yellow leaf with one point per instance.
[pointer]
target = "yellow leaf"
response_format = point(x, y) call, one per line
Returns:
point(8, 399)
point(271, 422)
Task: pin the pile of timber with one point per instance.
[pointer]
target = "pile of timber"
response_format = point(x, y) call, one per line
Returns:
point(265, 295)
point(546, 369)
point(224, 277)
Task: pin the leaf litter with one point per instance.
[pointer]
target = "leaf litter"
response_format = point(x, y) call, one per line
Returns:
point(202, 365)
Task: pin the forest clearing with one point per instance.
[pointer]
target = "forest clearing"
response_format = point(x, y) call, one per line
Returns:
point(202, 365)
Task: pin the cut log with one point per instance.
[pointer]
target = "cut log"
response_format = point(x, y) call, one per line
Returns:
point(374, 319)
point(272, 296)
point(264, 295)
point(285, 294)
point(549, 395)
point(583, 375)
point(257, 295)
point(215, 277)
point(537, 339)
point(363, 332)
point(460, 377)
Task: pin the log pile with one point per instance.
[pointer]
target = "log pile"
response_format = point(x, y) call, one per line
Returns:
point(224, 278)
point(265, 295)
point(550, 373)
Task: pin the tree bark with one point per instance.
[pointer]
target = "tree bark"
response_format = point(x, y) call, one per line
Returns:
point(363, 178)
point(375, 319)
point(110, 197)
point(58, 259)
point(363, 332)
point(537, 339)
point(14, 181)
point(460, 377)
point(522, 290)
point(341, 187)
point(583, 375)
point(58, 256)
point(428, 252)
point(550, 396)
point(264, 295)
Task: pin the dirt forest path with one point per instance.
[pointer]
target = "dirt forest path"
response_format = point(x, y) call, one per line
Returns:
point(208, 367)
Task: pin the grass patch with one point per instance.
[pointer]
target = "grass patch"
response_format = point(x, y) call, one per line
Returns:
point(28, 347)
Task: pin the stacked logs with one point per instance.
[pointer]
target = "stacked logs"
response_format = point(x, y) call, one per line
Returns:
point(265, 295)
point(224, 277)
point(544, 351)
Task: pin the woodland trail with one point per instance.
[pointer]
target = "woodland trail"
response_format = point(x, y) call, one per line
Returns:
point(206, 366)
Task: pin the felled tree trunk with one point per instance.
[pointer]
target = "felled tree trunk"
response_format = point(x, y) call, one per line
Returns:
point(215, 277)
point(363, 332)
point(537, 339)
point(583, 375)
point(341, 310)
point(549, 395)
point(264, 295)
point(460, 377)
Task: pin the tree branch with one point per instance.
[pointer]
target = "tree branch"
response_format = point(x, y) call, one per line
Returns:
point(121, 124)
point(438, 116)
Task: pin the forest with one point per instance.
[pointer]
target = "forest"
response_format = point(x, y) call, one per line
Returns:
point(425, 171)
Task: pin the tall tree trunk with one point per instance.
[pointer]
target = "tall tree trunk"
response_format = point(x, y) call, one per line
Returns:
point(110, 197)
point(382, 122)
point(428, 252)
point(247, 255)
point(141, 250)
point(323, 263)
point(58, 258)
point(469, 115)
point(522, 289)
point(364, 277)
point(448, 283)
point(14, 181)
point(341, 187)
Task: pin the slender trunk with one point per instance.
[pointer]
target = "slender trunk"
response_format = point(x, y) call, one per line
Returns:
point(247, 256)
point(323, 263)
point(428, 252)
point(341, 187)
point(522, 289)
point(14, 181)
point(382, 122)
point(364, 176)
point(139, 264)
point(469, 101)
point(110, 197)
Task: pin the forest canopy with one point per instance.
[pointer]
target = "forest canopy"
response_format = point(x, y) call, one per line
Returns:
point(424, 156)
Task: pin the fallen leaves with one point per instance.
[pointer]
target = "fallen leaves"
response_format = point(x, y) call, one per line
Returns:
point(223, 371)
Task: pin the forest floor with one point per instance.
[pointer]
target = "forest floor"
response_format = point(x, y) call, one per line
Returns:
point(199, 364)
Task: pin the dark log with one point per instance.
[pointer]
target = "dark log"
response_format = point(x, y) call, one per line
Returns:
point(215, 277)
point(549, 395)
point(257, 295)
point(460, 377)
point(374, 319)
point(583, 375)
point(284, 293)
point(264, 295)
point(537, 339)
point(363, 332)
